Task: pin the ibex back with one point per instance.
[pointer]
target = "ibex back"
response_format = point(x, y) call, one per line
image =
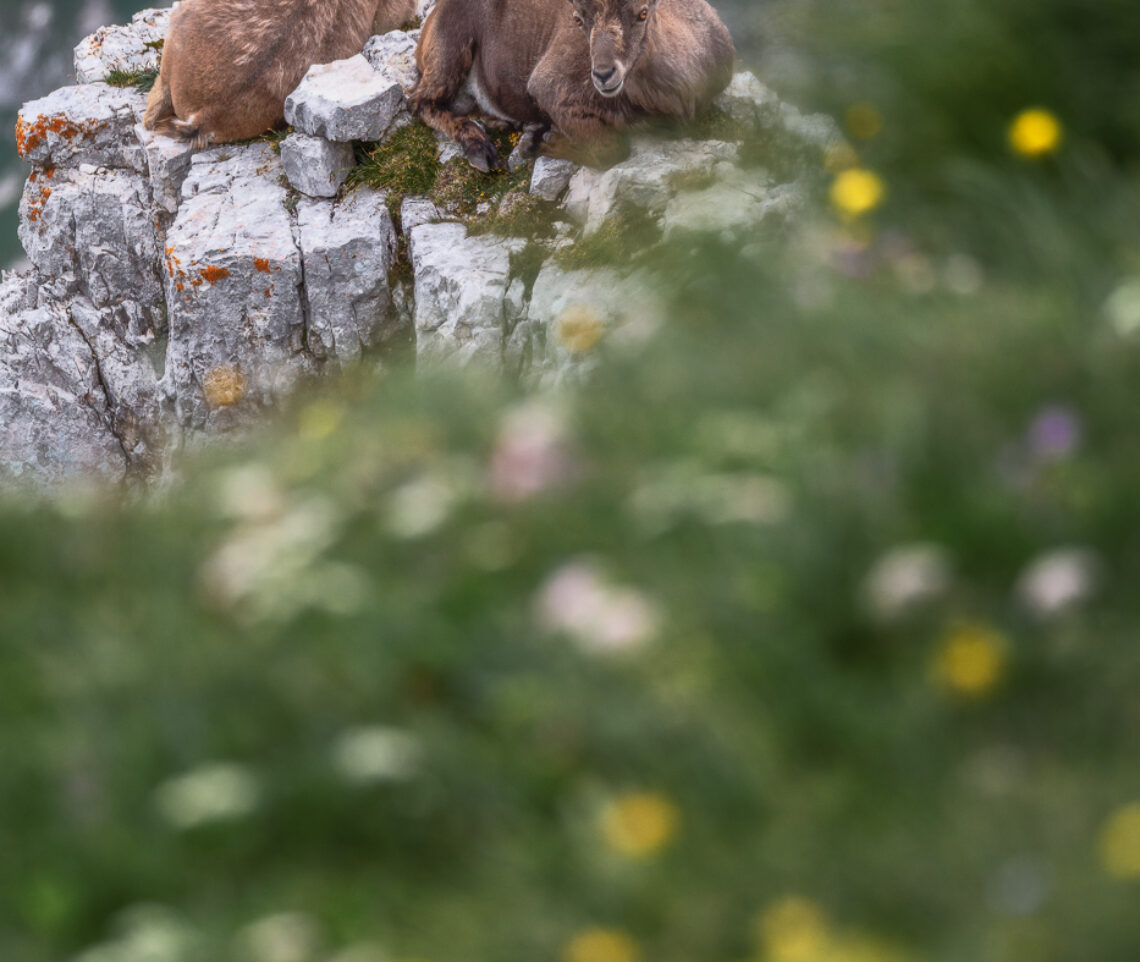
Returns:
point(228, 65)
point(575, 73)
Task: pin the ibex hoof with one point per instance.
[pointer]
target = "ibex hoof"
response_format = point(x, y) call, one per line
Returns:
point(482, 156)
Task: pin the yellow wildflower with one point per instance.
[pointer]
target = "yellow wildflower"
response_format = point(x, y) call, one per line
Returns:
point(970, 660)
point(639, 824)
point(863, 121)
point(579, 329)
point(602, 945)
point(1035, 133)
point(794, 929)
point(1120, 843)
point(857, 191)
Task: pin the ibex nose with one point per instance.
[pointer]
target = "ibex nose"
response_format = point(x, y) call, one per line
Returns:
point(604, 76)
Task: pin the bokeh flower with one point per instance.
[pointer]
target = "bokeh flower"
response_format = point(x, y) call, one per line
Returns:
point(1123, 307)
point(857, 191)
point(376, 754)
point(1058, 580)
point(1035, 133)
point(579, 328)
point(970, 660)
point(214, 792)
point(224, 386)
point(905, 577)
point(601, 945)
point(532, 454)
point(283, 937)
point(1055, 433)
point(639, 824)
point(1119, 843)
point(793, 929)
point(596, 615)
point(863, 121)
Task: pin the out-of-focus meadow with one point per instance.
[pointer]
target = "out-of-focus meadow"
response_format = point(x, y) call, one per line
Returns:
point(804, 632)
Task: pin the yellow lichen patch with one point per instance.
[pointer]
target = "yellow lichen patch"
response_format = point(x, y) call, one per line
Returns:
point(601, 945)
point(579, 329)
point(970, 660)
point(1035, 133)
point(224, 386)
point(639, 824)
point(1119, 843)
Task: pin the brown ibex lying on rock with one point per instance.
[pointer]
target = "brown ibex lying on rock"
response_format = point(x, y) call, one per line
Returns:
point(228, 65)
point(574, 73)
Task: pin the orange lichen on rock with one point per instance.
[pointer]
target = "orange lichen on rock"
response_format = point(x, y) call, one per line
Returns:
point(262, 264)
point(29, 136)
point(214, 274)
point(36, 204)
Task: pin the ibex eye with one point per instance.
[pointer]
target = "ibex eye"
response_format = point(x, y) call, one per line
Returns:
point(643, 15)
point(578, 20)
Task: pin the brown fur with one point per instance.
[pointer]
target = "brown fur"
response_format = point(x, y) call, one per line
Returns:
point(228, 65)
point(575, 73)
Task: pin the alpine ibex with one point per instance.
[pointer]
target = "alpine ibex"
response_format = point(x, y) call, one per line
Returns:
point(228, 65)
point(574, 73)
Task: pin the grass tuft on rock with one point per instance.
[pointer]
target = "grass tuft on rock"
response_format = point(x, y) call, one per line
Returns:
point(141, 80)
point(405, 166)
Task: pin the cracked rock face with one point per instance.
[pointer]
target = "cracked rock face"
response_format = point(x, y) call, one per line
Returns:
point(53, 412)
point(460, 287)
point(348, 250)
point(233, 274)
point(174, 295)
point(92, 231)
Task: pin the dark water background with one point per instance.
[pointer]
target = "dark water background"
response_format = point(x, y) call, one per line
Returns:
point(36, 41)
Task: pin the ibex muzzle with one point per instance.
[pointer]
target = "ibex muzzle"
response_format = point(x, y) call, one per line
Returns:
point(617, 32)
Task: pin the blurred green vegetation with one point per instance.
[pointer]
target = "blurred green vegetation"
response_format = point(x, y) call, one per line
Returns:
point(803, 632)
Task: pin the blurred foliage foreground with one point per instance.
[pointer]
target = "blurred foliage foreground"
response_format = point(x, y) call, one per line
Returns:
point(805, 631)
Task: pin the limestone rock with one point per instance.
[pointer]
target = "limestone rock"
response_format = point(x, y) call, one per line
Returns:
point(419, 210)
point(447, 149)
point(749, 102)
point(53, 411)
point(393, 55)
point(168, 163)
point(233, 274)
point(345, 100)
point(347, 250)
point(645, 180)
point(91, 124)
point(128, 370)
point(460, 287)
point(572, 311)
point(733, 205)
point(316, 166)
point(551, 177)
point(135, 46)
point(92, 232)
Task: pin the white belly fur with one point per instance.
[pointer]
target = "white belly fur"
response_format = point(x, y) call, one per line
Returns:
point(475, 90)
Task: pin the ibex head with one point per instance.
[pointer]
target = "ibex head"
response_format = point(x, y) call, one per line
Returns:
point(616, 31)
